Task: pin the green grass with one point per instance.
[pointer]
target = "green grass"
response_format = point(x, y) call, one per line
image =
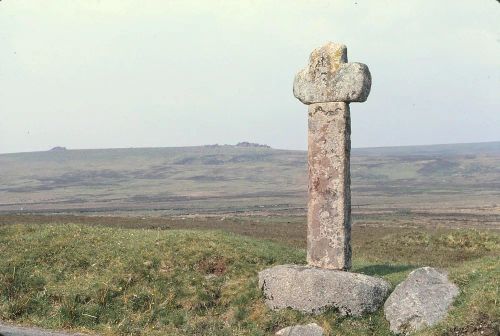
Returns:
point(148, 282)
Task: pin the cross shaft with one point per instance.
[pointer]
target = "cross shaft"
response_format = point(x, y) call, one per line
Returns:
point(328, 85)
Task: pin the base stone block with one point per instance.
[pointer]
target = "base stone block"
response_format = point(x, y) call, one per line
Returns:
point(313, 290)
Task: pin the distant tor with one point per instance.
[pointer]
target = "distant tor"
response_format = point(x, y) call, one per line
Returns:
point(58, 148)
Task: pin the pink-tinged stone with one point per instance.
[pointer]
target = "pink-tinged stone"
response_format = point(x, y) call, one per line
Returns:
point(329, 207)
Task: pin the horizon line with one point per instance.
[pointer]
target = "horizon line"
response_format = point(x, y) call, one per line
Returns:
point(270, 147)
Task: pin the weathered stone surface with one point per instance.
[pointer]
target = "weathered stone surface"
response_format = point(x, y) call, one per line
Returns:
point(311, 329)
point(329, 78)
point(312, 290)
point(9, 330)
point(422, 300)
point(329, 206)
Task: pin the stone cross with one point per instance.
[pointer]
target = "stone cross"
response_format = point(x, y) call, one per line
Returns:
point(328, 84)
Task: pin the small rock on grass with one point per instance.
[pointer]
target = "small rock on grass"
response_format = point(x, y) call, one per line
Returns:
point(420, 301)
point(311, 329)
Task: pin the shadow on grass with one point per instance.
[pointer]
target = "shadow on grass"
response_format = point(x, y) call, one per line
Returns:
point(382, 269)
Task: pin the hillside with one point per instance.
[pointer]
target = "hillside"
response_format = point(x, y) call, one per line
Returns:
point(462, 178)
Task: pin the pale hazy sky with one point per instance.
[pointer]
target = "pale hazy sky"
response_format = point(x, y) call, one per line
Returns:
point(118, 73)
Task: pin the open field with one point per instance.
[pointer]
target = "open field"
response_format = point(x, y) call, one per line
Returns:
point(170, 240)
point(116, 281)
point(457, 182)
